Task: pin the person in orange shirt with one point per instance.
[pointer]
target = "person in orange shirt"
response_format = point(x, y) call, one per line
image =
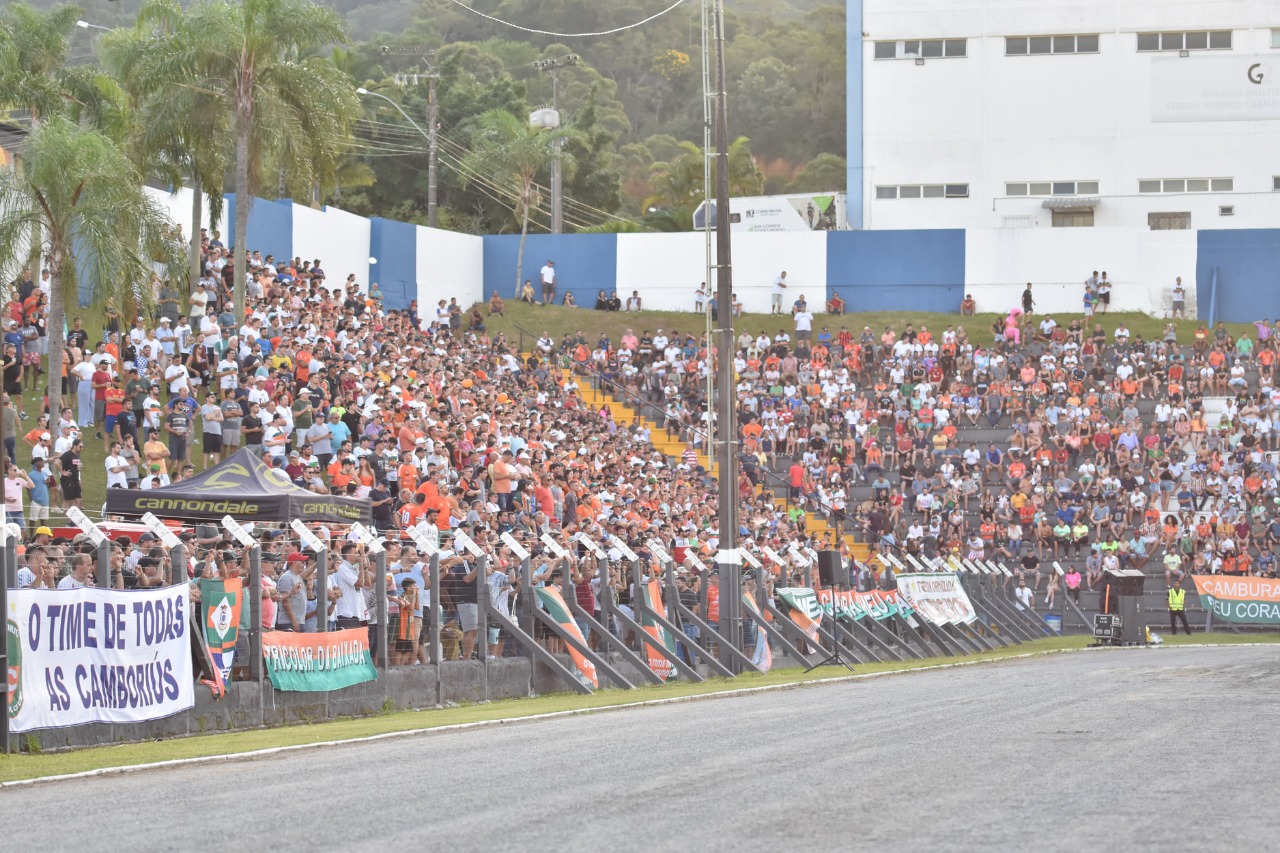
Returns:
point(407, 472)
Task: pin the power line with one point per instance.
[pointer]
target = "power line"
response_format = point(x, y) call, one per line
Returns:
point(567, 35)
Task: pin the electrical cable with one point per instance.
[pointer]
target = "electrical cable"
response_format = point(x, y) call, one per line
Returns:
point(568, 35)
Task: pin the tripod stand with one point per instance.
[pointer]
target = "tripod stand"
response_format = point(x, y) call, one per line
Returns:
point(835, 658)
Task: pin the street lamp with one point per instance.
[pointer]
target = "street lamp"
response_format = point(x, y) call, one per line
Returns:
point(85, 25)
point(430, 136)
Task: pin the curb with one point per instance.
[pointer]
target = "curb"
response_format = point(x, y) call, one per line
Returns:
point(575, 712)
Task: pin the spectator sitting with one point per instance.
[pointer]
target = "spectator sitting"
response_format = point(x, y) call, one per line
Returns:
point(968, 306)
point(497, 306)
point(835, 305)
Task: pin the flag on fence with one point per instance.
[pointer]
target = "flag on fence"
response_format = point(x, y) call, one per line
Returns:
point(661, 667)
point(222, 600)
point(761, 656)
point(554, 604)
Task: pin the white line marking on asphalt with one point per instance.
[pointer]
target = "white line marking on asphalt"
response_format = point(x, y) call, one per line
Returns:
point(552, 715)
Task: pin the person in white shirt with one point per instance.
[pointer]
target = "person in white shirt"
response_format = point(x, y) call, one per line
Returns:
point(779, 288)
point(228, 373)
point(548, 276)
point(178, 377)
point(81, 573)
point(210, 331)
point(804, 325)
point(351, 610)
point(117, 468)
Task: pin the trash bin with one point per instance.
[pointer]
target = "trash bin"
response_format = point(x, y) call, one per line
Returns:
point(1054, 621)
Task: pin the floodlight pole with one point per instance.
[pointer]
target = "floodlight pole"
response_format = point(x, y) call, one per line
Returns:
point(726, 428)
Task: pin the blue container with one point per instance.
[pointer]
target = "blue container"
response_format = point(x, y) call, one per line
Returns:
point(1054, 621)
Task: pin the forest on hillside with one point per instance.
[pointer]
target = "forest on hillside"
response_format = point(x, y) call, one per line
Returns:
point(634, 100)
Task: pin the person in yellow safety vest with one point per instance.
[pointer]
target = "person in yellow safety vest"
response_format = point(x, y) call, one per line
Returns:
point(1178, 608)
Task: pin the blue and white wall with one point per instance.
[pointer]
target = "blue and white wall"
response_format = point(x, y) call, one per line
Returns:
point(871, 270)
point(881, 270)
point(407, 261)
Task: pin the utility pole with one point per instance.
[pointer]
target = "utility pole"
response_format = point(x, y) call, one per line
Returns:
point(433, 120)
point(728, 559)
point(433, 125)
point(552, 67)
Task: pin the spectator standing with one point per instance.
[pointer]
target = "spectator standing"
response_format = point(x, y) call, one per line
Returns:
point(548, 276)
point(779, 288)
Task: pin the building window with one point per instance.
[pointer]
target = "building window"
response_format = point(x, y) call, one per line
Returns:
point(1045, 188)
point(1275, 182)
point(1180, 221)
point(1186, 185)
point(922, 48)
point(1073, 218)
point(1275, 37)
point(1227, 210)
point(923, 191)
point(1044, 45)
point(1194, 40)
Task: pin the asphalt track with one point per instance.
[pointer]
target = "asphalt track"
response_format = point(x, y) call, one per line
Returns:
point(1165, 749)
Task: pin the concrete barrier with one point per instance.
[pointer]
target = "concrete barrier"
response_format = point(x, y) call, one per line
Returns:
point(249, 705)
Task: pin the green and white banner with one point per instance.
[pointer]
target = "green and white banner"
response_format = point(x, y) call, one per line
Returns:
point(317, 662)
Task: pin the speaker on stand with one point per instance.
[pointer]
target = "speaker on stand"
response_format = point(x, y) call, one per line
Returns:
point(832, 571)
point(834, 575)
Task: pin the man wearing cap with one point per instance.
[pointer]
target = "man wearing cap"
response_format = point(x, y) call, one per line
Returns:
point(68, 465)
point(38, 505)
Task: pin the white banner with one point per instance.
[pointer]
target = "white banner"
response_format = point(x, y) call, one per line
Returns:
point(939, 598)
point(1217, 87)
point(97, 656)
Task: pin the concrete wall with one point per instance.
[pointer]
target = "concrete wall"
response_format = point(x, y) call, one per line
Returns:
point(395, 245)
point(270, 226)
point(178, 205)
point(1248, 270)
point(338, 238)
point(585, 264)
point(897, 270)
point(1141, 264)
point(249, 705)
point(450, 264)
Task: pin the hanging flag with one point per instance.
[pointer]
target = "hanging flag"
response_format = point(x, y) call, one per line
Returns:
point(761, 657)
point(652, 592)
point(222, 600)
point(553, 602)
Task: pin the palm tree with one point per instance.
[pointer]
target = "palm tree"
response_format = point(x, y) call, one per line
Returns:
point(178, 134)
point(677, 184)
point(283, 103)
point(81, 190)
point(509, 151)
point(35, 77)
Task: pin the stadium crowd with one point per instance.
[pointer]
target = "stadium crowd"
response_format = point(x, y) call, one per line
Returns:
point(1054, 442)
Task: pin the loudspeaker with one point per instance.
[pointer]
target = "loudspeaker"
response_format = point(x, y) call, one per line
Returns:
point(1126, 584)
point(831, 570)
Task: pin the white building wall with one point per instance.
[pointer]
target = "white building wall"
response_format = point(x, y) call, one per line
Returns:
point(987, 118)
point(338, 238)
point(449, 265)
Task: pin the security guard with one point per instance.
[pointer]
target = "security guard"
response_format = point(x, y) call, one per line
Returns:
point(1178, 608)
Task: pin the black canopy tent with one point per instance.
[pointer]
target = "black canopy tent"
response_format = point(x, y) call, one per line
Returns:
point(243, 487)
